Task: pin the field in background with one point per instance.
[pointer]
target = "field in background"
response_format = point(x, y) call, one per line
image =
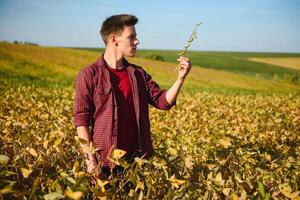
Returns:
point(237, 62)
point(233, 134)
point(293, 62)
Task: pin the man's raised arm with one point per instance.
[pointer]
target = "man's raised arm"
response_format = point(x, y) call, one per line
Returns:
point(184, 69)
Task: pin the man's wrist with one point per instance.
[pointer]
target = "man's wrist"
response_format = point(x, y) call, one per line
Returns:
point(86, 151)
point(90, 158)
point(180, 80)
point(88, 155)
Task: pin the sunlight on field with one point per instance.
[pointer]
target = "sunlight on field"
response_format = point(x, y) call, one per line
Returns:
point(58, 60)
point(207, 145)
point(201, 78)
point(50, 65)
point(292, 63)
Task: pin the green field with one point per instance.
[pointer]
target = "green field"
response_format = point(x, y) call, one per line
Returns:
point(236, 62)
point(233, 134)
point(59, 66)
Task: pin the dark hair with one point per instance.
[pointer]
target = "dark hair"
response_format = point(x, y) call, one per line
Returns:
point(115, 24)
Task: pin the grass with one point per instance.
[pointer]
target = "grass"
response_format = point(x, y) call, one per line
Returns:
point(49, 66)
point(237, 62)
point(229, 61)
point(289, 62)
point(45, 66)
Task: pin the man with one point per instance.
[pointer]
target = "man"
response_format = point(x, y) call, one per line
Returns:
point(112, 96)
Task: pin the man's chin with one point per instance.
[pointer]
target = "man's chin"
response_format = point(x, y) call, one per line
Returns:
point(131, 54)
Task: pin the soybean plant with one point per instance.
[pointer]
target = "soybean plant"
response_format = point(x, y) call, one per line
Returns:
point(192, 37)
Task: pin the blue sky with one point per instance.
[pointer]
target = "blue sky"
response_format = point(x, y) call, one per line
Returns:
point(228, 25)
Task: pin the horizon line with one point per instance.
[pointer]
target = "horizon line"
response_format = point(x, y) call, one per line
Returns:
point(159, 49)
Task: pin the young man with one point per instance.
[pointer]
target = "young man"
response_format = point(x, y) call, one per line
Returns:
point(112, 96)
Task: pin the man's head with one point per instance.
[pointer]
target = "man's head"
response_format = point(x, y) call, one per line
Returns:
point(118, 32)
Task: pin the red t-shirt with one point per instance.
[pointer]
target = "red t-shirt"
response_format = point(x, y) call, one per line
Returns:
point(127, 131)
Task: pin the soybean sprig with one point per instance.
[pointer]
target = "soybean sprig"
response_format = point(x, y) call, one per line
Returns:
point(192, 37)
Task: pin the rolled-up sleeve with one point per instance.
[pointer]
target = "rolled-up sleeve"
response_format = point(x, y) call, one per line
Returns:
point(157, 96)
point(83, 102)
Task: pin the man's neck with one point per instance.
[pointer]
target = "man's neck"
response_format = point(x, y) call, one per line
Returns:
point(113, 60)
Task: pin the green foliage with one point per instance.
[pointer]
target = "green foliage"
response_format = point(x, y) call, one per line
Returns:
point(57, 67)
point(293, 79)
point(154, 56)
point(236, 62)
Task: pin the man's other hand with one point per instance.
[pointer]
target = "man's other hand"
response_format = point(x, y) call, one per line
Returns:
point(184, 67)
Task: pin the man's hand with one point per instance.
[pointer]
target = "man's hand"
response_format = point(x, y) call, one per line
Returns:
point(91, 164)
point(90, 159)
point(184, 67)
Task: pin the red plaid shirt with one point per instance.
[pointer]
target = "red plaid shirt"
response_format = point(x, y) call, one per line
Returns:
point(95, 105)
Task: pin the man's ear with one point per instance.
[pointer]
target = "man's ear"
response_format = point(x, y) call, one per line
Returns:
point(113, 40)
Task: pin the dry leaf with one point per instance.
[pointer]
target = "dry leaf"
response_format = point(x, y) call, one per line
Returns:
point(226, 191)
point(74, 195)
point(234, 196)
point(32, 152)
point(117, 154)
point(26, 172)
point(225, 142)
point(4, 159)
point(172, 151)
point(188, 161)
point(54, 196)
point(176, 182)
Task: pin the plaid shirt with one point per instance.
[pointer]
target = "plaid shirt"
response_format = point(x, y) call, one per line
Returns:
point(95, 105)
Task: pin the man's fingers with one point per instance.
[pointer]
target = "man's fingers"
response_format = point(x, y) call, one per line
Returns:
point(183, 58)
point(93, 180)
point(184, 62)
point(185, 66)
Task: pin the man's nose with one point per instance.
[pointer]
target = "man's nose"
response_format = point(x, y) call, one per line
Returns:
point(136, 42)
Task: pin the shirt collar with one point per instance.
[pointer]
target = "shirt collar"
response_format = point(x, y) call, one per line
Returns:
point(101, 62)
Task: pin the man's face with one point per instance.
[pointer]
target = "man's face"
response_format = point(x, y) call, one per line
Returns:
point(127, 41)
